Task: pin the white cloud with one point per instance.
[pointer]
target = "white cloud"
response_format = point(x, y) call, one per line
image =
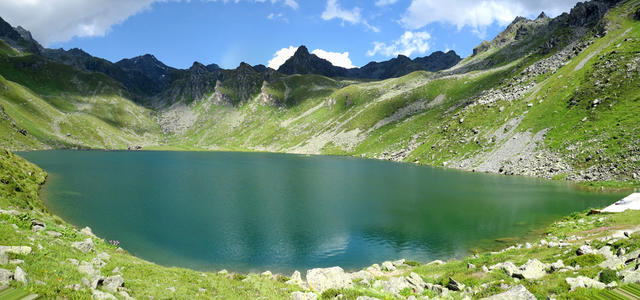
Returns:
point(335, 58)
point(478, 14)
point(385, 2)
point(281, 56)
point(57, 21)
point(353, 16)
point(407, 44)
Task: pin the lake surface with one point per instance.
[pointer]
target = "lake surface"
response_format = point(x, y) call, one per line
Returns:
point(259, 211)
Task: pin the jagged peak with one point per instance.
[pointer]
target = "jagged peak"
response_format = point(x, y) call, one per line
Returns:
point(542, 16)
point(302, 50)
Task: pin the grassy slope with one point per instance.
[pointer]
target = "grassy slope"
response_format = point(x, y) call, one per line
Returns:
point(48, 104)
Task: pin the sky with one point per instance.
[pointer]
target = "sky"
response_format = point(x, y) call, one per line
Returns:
point(348, 33)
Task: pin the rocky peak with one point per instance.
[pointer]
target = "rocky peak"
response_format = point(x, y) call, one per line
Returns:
point(213, 68)
point(542, 16)
point(198, 68)
point(19, 38)
point(302, 51)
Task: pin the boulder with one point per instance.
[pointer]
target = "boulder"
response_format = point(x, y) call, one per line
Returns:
point(87, 231)
point(104, 256)
point(584, 282)
point(5, 277)
point(585, 249)
point(4, 258)
point(19, 250)
point(533, 269)
point(613, 263)
point(455, 285)
point(98, 295)
point(395, 285)
point(19, 275)
point(296, 278)
point(630, 276)
point(112, 283)
point(303, 296)
point(517, 292)
point(321, 279)
point(508, 267)
point(362, 275)
point(388, 266)
point(559, 264)
point(88, 268)
point(84, 246)
point(416, 282)
point(399, 262)
point(37, 225)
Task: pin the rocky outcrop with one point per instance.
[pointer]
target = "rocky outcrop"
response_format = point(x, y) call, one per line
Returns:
point(320, 279)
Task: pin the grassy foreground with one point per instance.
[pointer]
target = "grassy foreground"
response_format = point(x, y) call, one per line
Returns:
point(55, 268)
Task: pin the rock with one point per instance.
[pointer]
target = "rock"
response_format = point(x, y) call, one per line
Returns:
point(4, 258)
point(628, 276)
point(416, 282)
point(99, 263)
point(84, 246)
point(37, 225)
point(96, 282)
point(435, 262)
point(366, 298)
point(508, 267)
point(266, 273)
point(223, 272)
point(455, 285)
point(73, 261)
point(584, 282)
point(395, 285)
point(20, 276)
point(104, 256)
point(399, 262)
point(19, 250)
point(5, 277)
point(53, 234)
point(304, 296)
point(9, 212)
point(528, 245)
point(559, 264)
point(85, 282)
point(533, 269)
point(87, 268)
point(485, 269)
point(171, 289)
point(612, 263)
point(321, 279)
point(517, 292)
point(296, 278)
point(112, 283)
point(362, 275)
point(125, 295)
point(585, 249)
point(87, 231)
point(98, 295)
point(471, 266)
point(75, 287)
point(388, 266)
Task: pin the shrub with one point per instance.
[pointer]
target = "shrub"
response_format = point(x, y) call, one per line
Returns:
point(330, 294)
point(607, 276)
point(585, 260)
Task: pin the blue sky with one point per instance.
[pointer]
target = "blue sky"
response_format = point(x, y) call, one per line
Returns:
point(229, 32)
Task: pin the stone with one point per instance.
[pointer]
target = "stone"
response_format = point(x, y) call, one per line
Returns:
point(584, 282)
point(395, 285)
point(99, 295)
point(53, 234)
point(19, 275)
point(5, 277)
point(4, 258)
point(125, 295)
point(416, 282)
point(73, 261)
point(266, 273)
point(87, 231)
point(75, 287)
point(471, 266)
point(37, 225)
point(508, 267)
point(88, 268)
point(517, 292)
point(585, 249)
point(223, 272)
point(84, 246)
point(304, 296)
point(366, 298)
point(388, 266)
point(455, 285)
point(321, 279)
point(97, 282)
point(296, 278)
point(485, 269)
point(533, 269)
point(171, 289)
point(19, 250)
point(99, 263)
point(362, 275)
point(85, 282)
point(435, 262)
point(628, 276)
point(104, 256)
point(112, 283)
point(559, 264)
point(528, 245)
point(612, 263)
point(399, 262)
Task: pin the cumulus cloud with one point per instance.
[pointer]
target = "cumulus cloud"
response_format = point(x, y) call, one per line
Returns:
point(335, 58)
point(409, 43)
point(478, 14)
point(333, 10)
point(281, 56)
point(57, 21)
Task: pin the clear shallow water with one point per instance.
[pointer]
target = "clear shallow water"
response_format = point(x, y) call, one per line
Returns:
point(278, 212)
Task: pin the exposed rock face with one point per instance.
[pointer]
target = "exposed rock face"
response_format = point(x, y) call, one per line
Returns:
point(329, 278)
point(19, 38)
point(533, 269)
point(84, 246)
point(517, 292)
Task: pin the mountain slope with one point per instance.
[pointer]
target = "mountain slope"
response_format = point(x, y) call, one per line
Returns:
point(553, 98)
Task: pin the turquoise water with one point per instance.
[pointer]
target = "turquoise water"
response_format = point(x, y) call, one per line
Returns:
point(259, 211)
